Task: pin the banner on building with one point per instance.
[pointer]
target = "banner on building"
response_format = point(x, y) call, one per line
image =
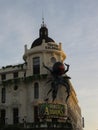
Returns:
point(49, 110)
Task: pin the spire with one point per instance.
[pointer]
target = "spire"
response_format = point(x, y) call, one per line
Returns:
point(43, 32)
point(43, 24)
point(42, 20)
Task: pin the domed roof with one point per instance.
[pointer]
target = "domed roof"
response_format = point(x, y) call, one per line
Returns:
point(43, 34)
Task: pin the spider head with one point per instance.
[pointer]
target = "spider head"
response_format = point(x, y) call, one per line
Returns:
point(58, 68)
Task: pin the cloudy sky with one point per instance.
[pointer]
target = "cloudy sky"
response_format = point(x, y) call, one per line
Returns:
point(72, 22)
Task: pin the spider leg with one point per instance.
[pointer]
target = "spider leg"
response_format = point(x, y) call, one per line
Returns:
point(49, 91)
point(66, 77)
point(55, 90)
point(54, 94)
point(67, 95)
point(67, 68)
point(49, 81)
point(65, 83)
point(68, 91)
point(47, 68)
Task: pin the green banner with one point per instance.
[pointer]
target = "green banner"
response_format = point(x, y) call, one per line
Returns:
point(49, 110)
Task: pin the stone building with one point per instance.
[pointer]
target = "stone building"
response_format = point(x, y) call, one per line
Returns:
point(24, 87)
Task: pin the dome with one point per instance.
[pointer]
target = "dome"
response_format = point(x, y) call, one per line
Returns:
point(43, 34)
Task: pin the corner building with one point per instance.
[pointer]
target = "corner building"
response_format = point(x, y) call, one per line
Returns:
point(24, 88)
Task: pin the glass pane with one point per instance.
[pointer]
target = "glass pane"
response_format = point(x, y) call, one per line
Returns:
point(15, 116)
point(3, 96)
point(36, 65)
point(36, 90)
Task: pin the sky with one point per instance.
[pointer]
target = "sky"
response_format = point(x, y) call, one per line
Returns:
point(74, 23)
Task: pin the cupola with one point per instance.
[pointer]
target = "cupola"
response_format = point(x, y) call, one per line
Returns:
point(43, 34)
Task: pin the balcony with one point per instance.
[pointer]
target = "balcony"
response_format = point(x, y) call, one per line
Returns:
point(40, 126)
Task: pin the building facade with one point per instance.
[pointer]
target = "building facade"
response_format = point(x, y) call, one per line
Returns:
point(24, 87)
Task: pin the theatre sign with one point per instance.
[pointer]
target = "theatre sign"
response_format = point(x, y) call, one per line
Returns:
point(49, 110)
point(52, 46)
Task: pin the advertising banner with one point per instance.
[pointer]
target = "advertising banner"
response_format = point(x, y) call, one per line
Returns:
point(49, 110)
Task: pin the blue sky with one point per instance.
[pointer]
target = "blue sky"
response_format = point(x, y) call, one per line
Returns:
point(72, 22)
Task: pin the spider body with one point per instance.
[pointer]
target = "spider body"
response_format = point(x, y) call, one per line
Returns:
point(58, 68)
point(58, 79)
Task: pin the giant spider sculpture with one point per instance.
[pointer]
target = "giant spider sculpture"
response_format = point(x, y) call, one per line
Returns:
point(58, 79)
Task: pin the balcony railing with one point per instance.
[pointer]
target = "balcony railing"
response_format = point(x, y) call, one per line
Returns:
point(49, 125)
point(36, 125)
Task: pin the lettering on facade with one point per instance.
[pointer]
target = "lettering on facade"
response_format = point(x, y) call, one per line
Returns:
point(52, 46)
point(51, 110)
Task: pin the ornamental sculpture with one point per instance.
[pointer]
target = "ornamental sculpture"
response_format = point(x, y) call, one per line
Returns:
point(59, 78)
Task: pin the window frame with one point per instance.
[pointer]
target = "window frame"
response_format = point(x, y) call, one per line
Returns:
point(3, 76)
point(36, 65)
point(36, 90)
point(3, 116)
point(3, 95)
point(15, 115)
point(15, 74)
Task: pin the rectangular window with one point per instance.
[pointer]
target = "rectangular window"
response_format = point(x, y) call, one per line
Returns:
point(15, 116)
point(3, 114)
point(36, 119)
point(3, 76)
point(15, 74)
point(36, 90)
point(3, 95)
point(36, 65)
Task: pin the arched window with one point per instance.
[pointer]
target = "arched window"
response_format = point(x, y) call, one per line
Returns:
point(36, 90)
point(53, 60)
point(36, 65)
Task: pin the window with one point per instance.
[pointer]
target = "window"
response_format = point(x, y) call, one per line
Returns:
point(53, 59)
point(36, 65)
point(15, 74)
point(3, 118)
point(3, 76)
point(36, 90)
point(3, 95)
point(15, 116)
point(36, 119)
